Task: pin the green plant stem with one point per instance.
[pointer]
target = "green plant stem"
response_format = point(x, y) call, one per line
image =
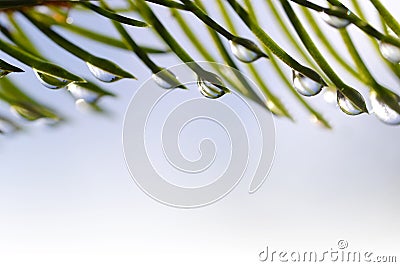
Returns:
point(168, 3)
point(353, 18)
point(254, 72)
point(327, 43)
point(346, 90)
point(395, 68)
point(284, 78)
point(133, 45)
point(249, 90)
point(285, 29)
point(387, 16)
point(13, 95)
point(113, 16)
point(271, 45)
point(192, 37)
point(226, 16)
point(7, 67)
point(358, 9)
point(105, 39)
point(198, 45)
point(23, 40)
point(104, 64)
point(374, 85)
point(204, 52)
point(37, 63)
point(195, 9)
point(136, 49)
point(370, 80)
point(277, 68)
point(167, 37)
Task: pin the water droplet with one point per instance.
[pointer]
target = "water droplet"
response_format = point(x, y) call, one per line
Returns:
point(211, 85)
point(102, 75)
point(243, 53)
point(69, 20)
point(166, 79)
point(7, 127)
point(346, 105)
point(390, 52)
point(304, 85)
point(51, 81)
point(383, 111)
point(81, 93)
point(334, 21)
point(25, 113)
point(3, 73)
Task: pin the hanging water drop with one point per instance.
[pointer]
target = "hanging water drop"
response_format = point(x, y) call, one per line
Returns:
point(166, 79)
point(211, 85)
point(334, 21)
point(81, 93)
point(69, 20)
point(243, 53)
point(346, 105)
point(304, 85)
point(390, 52)
point(383, 111)
point(102, 75)
point(25, 113)
point(50, 81)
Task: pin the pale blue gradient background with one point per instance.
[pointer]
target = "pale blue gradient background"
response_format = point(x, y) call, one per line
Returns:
point(66, 197)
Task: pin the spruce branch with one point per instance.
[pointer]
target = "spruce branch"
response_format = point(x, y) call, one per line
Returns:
point(272, 45)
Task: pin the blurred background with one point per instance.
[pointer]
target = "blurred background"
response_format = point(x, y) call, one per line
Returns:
point(66, 196)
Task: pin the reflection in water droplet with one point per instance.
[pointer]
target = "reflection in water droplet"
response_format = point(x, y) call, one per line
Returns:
point(304, 85)
point(390, 52)
point(334, 21)
point(346, 105)
point(102, 75)
point(6, 127)
point(211, 86)
point(51, 81)
point(3, 73)
point(243, 53)
point(166, 79)
point(383, 111)
point(79, 92)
